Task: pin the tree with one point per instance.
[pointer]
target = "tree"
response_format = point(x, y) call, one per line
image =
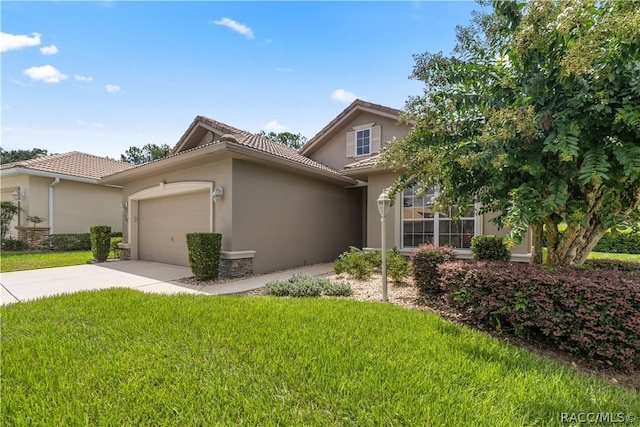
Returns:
point(149, 152)
point(18, 155)
point(8, 211)
point(536, 115)
point(295, 141)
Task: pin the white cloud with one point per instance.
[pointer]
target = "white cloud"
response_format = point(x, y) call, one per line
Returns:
point(112, 88)
point(235, 26)
point(17, 42)
point(49, 50)
point(46, 73)
point(80, 78)
point(343, 96)
point(274, 126)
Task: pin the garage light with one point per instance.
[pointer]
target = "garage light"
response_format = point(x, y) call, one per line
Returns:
point(217, 193)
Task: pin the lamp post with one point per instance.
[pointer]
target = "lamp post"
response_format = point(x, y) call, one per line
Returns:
point(384, 202)
point(17, 196)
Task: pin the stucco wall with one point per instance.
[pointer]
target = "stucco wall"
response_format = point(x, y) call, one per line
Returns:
point(333, 152)
point(77, 206)
point(291, 220)
point(218, 172)
point(9, 185)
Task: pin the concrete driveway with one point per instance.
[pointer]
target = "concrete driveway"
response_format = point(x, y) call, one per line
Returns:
point(142, 275)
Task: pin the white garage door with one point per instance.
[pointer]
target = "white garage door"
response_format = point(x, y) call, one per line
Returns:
point(164, 222)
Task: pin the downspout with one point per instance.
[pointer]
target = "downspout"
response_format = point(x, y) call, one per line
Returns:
point(53, 184)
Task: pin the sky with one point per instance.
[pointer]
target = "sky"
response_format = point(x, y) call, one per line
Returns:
point(100, 77)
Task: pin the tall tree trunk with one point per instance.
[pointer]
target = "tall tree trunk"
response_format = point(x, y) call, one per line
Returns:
point(537, 230)
point(575, 244)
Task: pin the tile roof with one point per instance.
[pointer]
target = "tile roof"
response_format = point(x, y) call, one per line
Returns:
point(74, 163)
point(369, 162)
point(355, 105)
point(249, 140)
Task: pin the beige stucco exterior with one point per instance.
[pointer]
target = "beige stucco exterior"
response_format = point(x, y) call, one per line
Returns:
point(285, 219)
point(73, 207)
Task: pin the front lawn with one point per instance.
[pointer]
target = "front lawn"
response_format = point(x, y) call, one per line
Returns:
point(121, 357)
point(17, 261)
point(621, 257)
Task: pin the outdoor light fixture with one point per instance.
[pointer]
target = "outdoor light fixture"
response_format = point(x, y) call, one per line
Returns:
point(384, 203)
point(217, 193)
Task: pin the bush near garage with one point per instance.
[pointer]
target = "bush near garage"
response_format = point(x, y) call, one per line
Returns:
point(100, 241)
point(593, 314)
point(70, 242)
point(204, 254)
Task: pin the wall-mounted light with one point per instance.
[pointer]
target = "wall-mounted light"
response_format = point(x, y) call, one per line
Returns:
point(217, 193)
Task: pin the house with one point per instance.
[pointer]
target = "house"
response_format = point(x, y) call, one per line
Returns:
point(64, 189)
point(275, 207)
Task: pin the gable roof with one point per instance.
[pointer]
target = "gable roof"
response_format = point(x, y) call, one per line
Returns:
point(236, 140)
point(356, 107)
point(72, 165)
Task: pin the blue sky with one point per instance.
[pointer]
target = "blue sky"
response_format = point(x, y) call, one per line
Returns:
point(100, 77)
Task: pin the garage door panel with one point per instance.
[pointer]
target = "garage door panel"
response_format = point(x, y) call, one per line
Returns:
point(164, 222)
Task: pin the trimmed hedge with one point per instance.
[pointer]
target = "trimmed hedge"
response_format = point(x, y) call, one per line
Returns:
point(490, 247)
point(100, 241)
point(204, 254)
point(70, 242)
point(619, 243)
point(589, 313)
point(425, 260)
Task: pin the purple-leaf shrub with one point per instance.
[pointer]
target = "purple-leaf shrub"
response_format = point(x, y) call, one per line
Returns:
point(593, 314)
point(424, 262)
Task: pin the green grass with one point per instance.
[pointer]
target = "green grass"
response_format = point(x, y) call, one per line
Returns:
point(121, 357)
point(17, 261)
point(622, 257)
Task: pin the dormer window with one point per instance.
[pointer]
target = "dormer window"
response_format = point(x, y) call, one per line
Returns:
point(363, 141)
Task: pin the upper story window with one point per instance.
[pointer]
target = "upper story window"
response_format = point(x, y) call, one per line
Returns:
point(363, 140)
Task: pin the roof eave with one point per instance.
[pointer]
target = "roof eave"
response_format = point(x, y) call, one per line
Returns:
point(45, 174)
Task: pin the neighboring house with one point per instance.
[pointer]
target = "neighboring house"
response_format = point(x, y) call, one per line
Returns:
point(65, 190)
point(277, 208)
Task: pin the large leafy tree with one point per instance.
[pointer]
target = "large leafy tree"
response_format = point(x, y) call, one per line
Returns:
point(147, 153)
point(8, 156)
point(536, 115)
point(293, 140)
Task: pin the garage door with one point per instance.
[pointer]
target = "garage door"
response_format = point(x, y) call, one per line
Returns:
point(164, 222)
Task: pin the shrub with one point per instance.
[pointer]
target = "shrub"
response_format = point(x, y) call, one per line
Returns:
point(100, 241)
point(425, 260)
point(8, 211)
point(306, 285)
point(204, 254)
point(13, 245)
point(490, 247)
point(589, 313)
point(398, 267)
point(70, 242)
point(621, 243)
point(115, 250)
point(116, 234)
point(337, 289)
point(355, 263)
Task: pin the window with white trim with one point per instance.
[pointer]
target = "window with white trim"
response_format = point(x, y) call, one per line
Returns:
point(421, 224)
point(364, 140)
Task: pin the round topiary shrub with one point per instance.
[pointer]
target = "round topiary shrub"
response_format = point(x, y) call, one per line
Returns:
point(490, 248)
point(425, 260)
